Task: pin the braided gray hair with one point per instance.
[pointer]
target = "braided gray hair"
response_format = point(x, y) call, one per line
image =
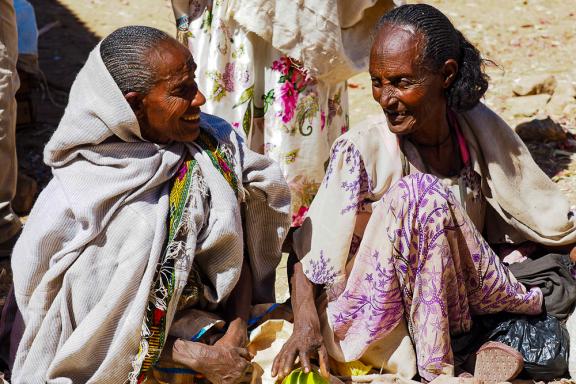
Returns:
point(125, 54)
point(443, 42)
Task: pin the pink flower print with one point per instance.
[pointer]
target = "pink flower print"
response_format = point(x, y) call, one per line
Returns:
point(228, 77)
point(344, 129)
point(322, 120)
point(236, 124)
point(298, 218)
point(289, 99)
point(281, 65)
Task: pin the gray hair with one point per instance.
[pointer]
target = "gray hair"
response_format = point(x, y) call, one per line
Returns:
point(125, 54)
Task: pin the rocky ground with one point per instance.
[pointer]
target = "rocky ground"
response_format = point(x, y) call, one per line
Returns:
point(531, 45)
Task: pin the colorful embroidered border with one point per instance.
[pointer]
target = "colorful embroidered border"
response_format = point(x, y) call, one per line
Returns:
point(220, 159)
point(165, 280)
point(165, 276)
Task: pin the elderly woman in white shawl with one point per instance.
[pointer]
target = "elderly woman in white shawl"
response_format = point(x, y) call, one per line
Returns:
point(412, 210)
point(156, 215)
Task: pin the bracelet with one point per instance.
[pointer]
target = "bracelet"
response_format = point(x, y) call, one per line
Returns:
point(182, 23)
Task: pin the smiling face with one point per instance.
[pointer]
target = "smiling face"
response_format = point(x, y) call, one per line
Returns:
point(411, 96)
point(170, 111)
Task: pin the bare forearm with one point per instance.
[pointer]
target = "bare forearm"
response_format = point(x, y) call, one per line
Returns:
point(303, 293)
point(240, 300)
point(237, 310)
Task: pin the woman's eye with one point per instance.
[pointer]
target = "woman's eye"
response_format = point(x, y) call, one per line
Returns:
point(376, 82)
point(404, 83)
point(183, 92)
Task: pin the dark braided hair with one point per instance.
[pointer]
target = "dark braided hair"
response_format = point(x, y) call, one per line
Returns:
point(125, 54)
point(443, 42)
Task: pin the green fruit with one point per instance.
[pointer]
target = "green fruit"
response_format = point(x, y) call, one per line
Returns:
point(297, 376)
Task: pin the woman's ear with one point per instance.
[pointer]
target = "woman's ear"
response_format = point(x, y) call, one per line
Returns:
point(449, 71)
point(135, 101)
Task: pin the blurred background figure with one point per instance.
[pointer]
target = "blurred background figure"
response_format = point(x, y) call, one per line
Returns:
point(9, 222)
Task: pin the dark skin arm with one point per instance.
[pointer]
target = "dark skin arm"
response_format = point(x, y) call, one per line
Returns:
point(237, 310)
point(306, 339)
point(227, 361)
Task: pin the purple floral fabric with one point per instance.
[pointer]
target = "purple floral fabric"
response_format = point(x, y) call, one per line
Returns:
point(420, 259)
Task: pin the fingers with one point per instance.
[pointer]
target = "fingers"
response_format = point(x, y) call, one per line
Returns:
point(323, 357)
point(276, 363)
point(284, 363)
point(243, 352)
point(305, 362)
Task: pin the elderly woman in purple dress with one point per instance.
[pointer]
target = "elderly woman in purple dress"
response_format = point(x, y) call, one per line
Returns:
point(407, 220)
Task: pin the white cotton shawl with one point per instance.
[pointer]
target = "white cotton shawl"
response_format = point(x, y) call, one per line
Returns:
point(86, 260)
point(330, 37)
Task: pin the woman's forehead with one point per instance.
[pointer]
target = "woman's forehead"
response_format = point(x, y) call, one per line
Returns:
point(396, 45)
point(392, 39)
point(171, 60)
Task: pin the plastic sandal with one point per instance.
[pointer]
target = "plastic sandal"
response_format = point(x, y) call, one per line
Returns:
point(497, 362)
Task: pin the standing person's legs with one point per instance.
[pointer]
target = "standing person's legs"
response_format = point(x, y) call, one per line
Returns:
point(9, 83)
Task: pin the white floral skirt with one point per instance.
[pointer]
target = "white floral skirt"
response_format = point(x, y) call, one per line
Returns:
point(283, 112)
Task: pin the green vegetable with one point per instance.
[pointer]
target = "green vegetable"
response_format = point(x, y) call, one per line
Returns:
point(298, 376)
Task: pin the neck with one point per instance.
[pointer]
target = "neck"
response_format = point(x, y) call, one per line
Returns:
point(433, 136)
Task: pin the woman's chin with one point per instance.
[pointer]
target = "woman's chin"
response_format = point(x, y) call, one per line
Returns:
point(402, 129)
point(191, 134)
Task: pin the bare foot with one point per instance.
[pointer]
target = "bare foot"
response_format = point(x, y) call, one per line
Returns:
point(220, 364)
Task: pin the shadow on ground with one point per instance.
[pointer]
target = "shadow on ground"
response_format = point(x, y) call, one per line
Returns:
point(63, 49)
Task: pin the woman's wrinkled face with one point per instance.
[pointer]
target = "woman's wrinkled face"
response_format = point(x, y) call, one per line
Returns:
point(171, 109)
point(411, 96)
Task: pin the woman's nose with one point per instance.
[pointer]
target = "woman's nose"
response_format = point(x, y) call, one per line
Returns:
point(199, 99)
point(387, 98)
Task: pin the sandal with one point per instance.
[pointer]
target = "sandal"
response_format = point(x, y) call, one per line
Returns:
point(497, 362)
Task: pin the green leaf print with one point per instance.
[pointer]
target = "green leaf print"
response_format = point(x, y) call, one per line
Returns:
point(268, 99)
point(246, 96)
point(218, 89)
point(206, 25)
point(306, 109)
point(247, 120)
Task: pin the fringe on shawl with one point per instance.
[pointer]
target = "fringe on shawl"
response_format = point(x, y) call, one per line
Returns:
point(175, 250)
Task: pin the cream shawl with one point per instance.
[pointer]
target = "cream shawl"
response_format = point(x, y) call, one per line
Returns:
point(85, 263)
point(330, 37)
point(525, 203)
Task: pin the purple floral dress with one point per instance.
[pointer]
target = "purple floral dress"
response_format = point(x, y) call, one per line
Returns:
point(420, 260)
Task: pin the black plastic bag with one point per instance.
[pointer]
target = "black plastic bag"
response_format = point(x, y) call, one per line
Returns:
point(542, 340)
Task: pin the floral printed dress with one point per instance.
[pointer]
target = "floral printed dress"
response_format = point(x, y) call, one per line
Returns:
point(284, 113)
point(405, 249)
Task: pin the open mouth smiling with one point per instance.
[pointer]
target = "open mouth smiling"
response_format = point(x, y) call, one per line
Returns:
point(191, 117)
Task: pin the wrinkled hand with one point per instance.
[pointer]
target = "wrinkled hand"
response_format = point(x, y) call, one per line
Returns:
point(306, 342)
point(236, 335)
point(221, 364)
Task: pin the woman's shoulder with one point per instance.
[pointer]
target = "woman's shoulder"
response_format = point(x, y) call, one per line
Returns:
point(371, 137)
point(482, 113)
point(217, 127)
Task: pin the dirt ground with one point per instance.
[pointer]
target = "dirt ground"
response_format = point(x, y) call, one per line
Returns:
point(521, 37)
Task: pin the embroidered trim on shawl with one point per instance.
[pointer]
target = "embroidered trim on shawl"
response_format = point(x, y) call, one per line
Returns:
point(221, 158)
point(154, 326)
